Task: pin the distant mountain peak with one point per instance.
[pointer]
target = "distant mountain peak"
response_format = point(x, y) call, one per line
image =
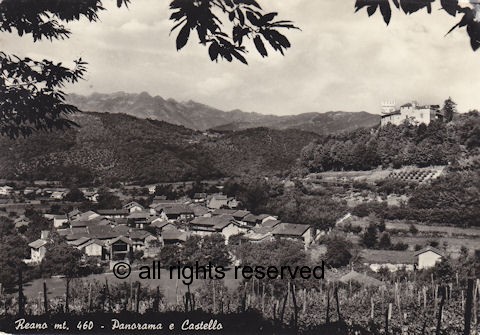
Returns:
point(199, 116)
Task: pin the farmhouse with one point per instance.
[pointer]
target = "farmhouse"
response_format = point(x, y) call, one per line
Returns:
point(177, 212)
point(223, 224)
point(392, 260)
point(133, 206)
point(38, 248)
point(93, 248)
point(119, 248)
point(300, 232)
point(59, 220)
point(173, 236)
point(428, 257)
point(217, 201)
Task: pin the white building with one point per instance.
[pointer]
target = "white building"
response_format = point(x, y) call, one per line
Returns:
point(38, 249)
point(410, 112)
point(6, 190)
point(428, 257)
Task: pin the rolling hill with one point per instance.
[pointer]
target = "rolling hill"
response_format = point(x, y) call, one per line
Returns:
point(118, 147)
point(198, 116)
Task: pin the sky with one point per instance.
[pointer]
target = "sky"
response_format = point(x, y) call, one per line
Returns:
point(340, 60)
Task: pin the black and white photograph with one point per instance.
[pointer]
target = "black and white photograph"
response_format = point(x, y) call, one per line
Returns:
point(240, 167)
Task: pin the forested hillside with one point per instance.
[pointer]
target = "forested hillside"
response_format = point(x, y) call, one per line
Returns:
point(395, 146)
point(118, 147)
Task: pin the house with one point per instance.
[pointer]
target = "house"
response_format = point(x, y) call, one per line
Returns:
point(199, 197)
point(223, 211)
point(240, 214)
point(38, 248)
point(160, 198)
point(93, 248)
point(133, 206)
point(270, 223)
point(410, 112)
point(139, 219)
point(217, 201)
point(232, 202)
point(428, 257)
point(199, 210)
point(392, 260)
point(266, 217)
point(176, 211)
point(118, 248)
point(160, 225)
point(90, 195)
point(113, 213)
point(259, 234)
point(223, 224)
point(30, 190)
point(58, 195)
point(173, 236)
point(21, 221)
point(251, 220)
point(6, 190)
point(87, 216)
point(141, 239)
point(151, 188)
point(73, 214)
point(300, 232)
point(59, 220)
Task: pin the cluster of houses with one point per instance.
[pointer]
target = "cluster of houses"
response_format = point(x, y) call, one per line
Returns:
point(118, 233)
point(114, 234)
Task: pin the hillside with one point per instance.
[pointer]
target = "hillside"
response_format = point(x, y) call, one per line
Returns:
point(396, 146)
point(118, 147)
point(198, 116)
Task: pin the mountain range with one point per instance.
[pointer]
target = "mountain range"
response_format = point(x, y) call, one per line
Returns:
point(202, 117)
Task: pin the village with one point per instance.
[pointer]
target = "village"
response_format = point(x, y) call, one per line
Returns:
point(142, 231)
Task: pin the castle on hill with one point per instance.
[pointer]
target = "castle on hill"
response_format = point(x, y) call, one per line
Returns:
point(411, 112)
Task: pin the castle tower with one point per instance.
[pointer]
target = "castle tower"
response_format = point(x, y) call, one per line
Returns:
point(388, 107)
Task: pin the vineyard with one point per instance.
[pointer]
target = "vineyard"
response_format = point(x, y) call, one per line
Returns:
point(404, 307)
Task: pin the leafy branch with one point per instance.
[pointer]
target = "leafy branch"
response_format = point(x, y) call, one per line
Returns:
point(470, 17)
point(246, 18)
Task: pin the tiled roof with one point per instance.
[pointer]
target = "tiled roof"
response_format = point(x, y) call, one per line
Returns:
point(429, 248)
point(80, 241)
point(174, 235)
point(37, 244)
point(240, 214)
point(177, 209)
point(270, 223)
point(387, 257)
point(113, 211)
point(290, 229)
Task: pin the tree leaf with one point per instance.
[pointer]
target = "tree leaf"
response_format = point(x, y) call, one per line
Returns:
point(386, 11)
point(182, 37)
point(450, 6)
point(213, 51)
point(260, 46)
point(371, 10)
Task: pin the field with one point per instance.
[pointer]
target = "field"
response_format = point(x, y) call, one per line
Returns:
point(169, 287)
